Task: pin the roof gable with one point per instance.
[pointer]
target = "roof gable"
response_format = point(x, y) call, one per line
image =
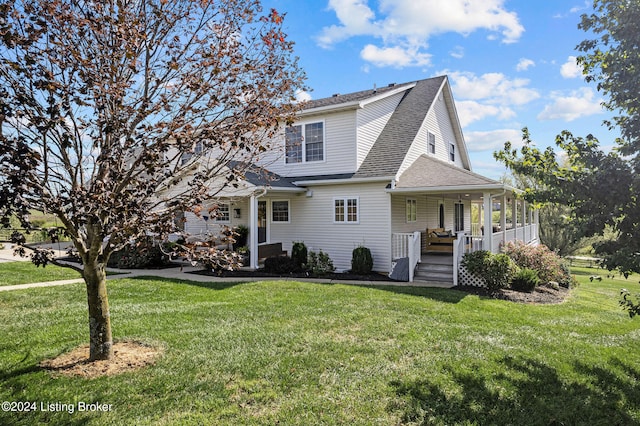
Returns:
point(391, 147)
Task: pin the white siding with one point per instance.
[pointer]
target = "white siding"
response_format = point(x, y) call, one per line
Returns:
point(371, 121)
point(339, 148)
point(437, 122)
point(312, 221)
point(427, 214)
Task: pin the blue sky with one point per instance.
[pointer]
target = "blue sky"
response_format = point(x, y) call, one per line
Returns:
point(511, 63)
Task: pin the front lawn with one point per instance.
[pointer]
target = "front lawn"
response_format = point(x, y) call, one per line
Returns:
point(302, 353)
point(12, 273)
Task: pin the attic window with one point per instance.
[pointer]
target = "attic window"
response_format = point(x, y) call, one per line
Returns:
point(452, 152)
point(304, 143)
point(432, 143)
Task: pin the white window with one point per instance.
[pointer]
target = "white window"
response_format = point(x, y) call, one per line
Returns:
point(280, 211)
point(345, 210)
point(452, 152)
point(304, 143)
point(186, 156)
point(222, 213)
point(412, 209)
point(432, 143)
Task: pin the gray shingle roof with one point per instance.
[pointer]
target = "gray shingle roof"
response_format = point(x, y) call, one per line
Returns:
point(352, 97)
point(429, 172)
point(391, 147)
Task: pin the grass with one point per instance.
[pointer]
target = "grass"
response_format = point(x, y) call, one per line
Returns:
point(305, 354)
point(12, 273)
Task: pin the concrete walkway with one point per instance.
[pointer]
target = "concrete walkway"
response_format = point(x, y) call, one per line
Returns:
point(182, 273)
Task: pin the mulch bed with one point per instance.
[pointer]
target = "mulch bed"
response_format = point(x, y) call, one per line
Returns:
point(261, 274)
point(541, 295)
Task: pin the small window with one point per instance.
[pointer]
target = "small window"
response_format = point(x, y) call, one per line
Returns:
point(441, 216)
point(412, 209)
point(432, 143)
point(280, 211)
point(222, 213)
point(345, 210)
point(452, 152)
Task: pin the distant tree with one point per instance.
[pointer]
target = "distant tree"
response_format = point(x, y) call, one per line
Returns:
point(612, 60)
point(99, 100)
point(601, 189)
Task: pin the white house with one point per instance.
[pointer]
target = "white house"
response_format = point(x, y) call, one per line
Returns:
point(375, 168)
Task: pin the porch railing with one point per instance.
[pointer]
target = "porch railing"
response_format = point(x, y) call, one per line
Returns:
point(407, 245)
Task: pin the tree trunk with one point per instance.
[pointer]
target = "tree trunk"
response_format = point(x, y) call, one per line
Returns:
point(100, 340)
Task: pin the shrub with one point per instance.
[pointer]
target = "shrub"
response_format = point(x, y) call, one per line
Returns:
point(299, 253)
point(497, 270)
point(241, 237)
point(145, 253)
point(525, 280)
point(541, 259)
point(280, 265)
point(361, 261)
point(319, 263)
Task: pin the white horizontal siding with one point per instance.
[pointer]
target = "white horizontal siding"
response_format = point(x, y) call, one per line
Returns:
point(312, 221)
point(427, 214)
point(439, 123)
point(371, 121)
point(339, 149)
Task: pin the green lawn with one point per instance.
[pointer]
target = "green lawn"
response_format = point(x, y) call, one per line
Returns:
point(12, 273)
point(305, 354)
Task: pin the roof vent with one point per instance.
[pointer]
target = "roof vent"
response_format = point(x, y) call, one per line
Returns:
point(335, 95)
point(392, 85)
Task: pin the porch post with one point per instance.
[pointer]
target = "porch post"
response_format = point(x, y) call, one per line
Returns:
point(536, 219)
point(253, 232)
point(514, 216)
point(524, 220)
point(487, 239)
point(503, 218)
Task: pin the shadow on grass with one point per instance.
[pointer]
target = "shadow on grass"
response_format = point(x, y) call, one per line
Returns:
point(445, 295)
point(525, 391)
point(212, 285)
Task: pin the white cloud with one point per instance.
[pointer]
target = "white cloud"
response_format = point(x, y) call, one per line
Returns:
point(525, 64)
point(457, 52)
point(303, 96)
point(580, 103)
point(571, 69)
point(408, 24)
point(472, 111)
point(394, 56)
point(493, 140)
point(492, 88)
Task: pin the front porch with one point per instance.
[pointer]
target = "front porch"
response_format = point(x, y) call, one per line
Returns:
point(475, 221)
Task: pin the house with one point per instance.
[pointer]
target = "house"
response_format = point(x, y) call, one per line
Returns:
point(376, 168)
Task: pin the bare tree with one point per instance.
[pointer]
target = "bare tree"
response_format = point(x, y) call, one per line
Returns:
point(99, 100)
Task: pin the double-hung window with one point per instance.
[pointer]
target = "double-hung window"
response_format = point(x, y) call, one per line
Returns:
point(452, 152)
point(280, 211)
point(412, 209)
point(432, 143)
point(304, 143)
point(186, 156)
point(345, 210)
point(222, 213)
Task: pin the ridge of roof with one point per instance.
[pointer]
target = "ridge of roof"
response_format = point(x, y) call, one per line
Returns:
point(362, 95)
point(393, 143)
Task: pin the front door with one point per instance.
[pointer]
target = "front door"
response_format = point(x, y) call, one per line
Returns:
point(262, 222)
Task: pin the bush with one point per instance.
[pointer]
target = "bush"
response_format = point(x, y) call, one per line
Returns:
point(241, 237)
point(526, 280)
point(361, 261)
point(299, 254)
point(145, 253)
point(541, 259)
point(497, 270)
point(319, 263)
point(280, 265)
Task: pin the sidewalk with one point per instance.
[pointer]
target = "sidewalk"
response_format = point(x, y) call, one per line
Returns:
point(183, 274)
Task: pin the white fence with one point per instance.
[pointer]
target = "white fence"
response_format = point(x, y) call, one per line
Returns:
point(407, 245)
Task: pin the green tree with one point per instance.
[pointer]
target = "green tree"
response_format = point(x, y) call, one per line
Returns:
point(99, 100)
point(601, 189)
point(612, 60)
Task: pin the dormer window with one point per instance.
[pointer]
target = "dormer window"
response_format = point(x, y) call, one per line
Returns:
point(304, 143)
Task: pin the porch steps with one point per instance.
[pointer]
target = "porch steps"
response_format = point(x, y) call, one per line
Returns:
point(435, 267)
